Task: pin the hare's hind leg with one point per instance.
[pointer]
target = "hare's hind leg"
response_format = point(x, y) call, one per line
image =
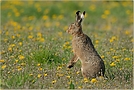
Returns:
point(72, 61)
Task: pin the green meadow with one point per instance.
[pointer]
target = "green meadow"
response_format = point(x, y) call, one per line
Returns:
point(35, 47)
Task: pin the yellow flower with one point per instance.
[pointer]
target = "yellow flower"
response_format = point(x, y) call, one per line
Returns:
point(96, 41)
point(128, 12)
point(45, 74)
point(92, 7)
point(16, 61)
point(20, 43)
point(7, 33)
point(60, 74)
point(126, 59)
point(127, 32)
point(60, 34)
point(41, 39)
point(18, 35)
point(117, 60)
point(30, 74)
point(2, 60)
point(79, 87)
point(45, 17)
point(102, 56)
point(3, 66)
point(38, 64)
point(65, 28)
point(115, 57)
point(68, 77)
point(106, 12)
point(59, 67)
point(112, 64)
point(30, 36)
point(39, 75)
point(86, 80)
point(77, 72)
point(47, 24)
point(19, 68)
point(113, 39)
point(30, 28)
point(10, 49)
point(23, 64)
point(54, 81)
point(40, 69)
point(103, 16)
point(94, 80)
point(21, 57)
point(12, 45)
point(39, 34)
point(13, 37)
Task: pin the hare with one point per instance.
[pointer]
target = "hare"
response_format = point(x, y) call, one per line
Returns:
point(83, 49)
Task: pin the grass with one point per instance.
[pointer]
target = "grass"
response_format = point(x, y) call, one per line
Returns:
point(35, 47)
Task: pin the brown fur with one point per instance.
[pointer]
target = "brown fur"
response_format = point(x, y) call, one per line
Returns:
point(92, 64)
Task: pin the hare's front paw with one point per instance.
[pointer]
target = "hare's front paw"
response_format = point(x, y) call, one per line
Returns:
point(69, 66)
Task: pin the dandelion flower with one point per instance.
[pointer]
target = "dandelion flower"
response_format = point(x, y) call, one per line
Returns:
point(126, 59)
point(13, 37)
point(86, 80)
point(3, 66)
point(45, 74)
point(30, 74)
point(102, 56)
point(16, 61)
point(12, 45)
point(79, 87)
point(20, 43)
point(59, 67)
point(38, 64)
point(96, 41)
point(40, 69)
point(68, 77)
point(113, 39)
point(19, 69)
point(30, 36)
point(106, 12)
point(112, 64)
point(39, 75)
point(45, 17)
point(2, 60)
point(77, 72)
point(41, 39)
point(54, 81)
point(23, 64)
point(94, 80)
point(92, 7)
point(21, 57)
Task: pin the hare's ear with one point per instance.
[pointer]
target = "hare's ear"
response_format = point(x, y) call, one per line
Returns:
point(82, 15)
point(78, 16)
